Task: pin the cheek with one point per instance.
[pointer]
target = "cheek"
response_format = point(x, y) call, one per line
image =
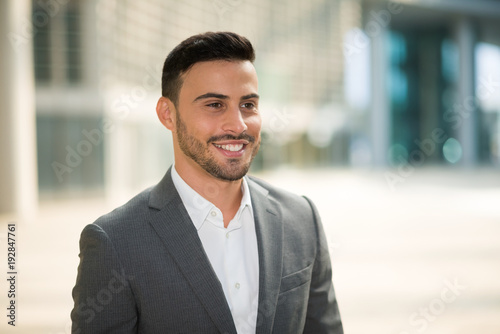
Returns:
point(254, 124)
point(203, 129)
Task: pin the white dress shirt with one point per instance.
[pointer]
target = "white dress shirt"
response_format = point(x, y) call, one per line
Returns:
point(232, 251)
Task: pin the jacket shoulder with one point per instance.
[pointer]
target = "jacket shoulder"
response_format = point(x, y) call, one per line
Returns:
point(286, 198)
point(128, 214)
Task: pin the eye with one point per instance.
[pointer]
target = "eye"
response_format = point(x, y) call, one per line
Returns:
point(248, 105)
point(215, 105)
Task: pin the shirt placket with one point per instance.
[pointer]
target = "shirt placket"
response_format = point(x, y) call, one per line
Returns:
point(235, 269)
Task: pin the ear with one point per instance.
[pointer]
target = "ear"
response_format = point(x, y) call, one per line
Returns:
point(165, 111)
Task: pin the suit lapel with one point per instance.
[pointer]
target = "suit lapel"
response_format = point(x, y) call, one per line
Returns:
point(269, 230)
point(173, 224)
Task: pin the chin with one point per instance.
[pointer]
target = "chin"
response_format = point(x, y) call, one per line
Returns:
point(229, 174)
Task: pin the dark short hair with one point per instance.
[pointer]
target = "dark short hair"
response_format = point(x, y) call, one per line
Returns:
point(209, 46)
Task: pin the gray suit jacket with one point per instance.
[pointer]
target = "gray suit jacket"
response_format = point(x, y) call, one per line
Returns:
point(143, 269)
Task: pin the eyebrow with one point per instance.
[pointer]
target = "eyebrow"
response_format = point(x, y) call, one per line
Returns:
point(250, 96)
point(224, 97)
point(211, 95)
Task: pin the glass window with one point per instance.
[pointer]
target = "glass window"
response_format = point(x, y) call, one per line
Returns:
point(488, 101)
point(73, 48)
point(42, 44)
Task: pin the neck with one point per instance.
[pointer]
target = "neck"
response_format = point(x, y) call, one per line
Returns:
point(226, 195)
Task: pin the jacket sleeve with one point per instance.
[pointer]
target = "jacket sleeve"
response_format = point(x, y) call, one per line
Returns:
point(322, 310)
point(103, 299)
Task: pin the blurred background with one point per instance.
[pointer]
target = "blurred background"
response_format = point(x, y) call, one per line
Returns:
point(386, 114)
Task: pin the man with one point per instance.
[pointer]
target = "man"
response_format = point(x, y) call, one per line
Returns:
point(208, 249)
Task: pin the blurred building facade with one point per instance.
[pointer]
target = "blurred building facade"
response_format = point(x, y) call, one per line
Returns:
point(343, 82)
point(98, 69)
point(435, 82)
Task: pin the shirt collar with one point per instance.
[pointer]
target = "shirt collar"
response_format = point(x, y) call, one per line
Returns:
point(246, 200)
point(198, 207)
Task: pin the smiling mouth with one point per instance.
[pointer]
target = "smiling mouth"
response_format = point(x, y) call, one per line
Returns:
point(231, 147)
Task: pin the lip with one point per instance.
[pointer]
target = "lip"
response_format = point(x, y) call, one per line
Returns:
point(231, 154)
point(231, 142)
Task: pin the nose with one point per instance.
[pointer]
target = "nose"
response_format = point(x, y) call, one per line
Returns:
point(234, 122)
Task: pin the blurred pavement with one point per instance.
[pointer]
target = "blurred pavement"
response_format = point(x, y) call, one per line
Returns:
point(423, 257)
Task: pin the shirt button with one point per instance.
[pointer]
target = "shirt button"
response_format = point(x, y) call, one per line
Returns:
point(237, 285)
point(227, 235)
point(213, 213)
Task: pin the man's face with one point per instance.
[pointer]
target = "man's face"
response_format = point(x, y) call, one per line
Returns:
point(217, 122)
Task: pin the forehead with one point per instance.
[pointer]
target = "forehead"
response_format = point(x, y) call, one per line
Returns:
point(220, 74)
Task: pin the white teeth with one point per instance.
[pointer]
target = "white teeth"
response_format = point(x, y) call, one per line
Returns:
point(232, 148)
